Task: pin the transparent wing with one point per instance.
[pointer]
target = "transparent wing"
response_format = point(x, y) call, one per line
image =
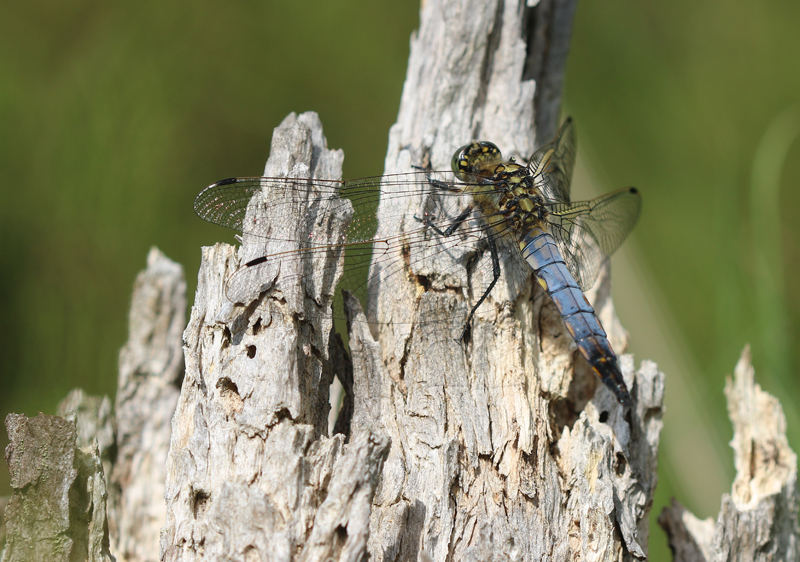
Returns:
point(588, 232)
point(552, 164)
point(226, 202)
point(405, 246)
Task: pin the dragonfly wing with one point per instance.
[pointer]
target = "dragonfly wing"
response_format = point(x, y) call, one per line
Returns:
point(251, 279)
point(409, 248)
point(588, 232)
point(283, 221)
point(274, 246)
point(225, 202)
point(552, 164)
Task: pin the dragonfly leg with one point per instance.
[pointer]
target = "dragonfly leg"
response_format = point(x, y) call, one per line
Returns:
point(438, 184)
point(459, 220)
point(495, 277)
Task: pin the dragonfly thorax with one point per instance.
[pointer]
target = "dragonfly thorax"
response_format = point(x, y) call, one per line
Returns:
point(505, 190)
point(514, 199)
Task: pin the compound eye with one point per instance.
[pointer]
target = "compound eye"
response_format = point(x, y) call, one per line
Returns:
point(474, 159)
point(460, 162)
point(489, 149)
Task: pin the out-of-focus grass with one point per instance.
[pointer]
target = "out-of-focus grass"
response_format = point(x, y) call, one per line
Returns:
point(768, 279)
point(687, 101)
point(114, 116)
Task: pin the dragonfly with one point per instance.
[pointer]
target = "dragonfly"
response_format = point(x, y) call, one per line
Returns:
point(486, 211)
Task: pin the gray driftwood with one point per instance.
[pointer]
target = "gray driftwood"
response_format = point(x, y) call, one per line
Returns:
point(758, 520)
point(251, 474)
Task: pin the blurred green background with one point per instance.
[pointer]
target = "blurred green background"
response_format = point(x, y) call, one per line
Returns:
point(113, 116)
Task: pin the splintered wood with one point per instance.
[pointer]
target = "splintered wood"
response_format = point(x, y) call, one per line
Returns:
point(758, 520)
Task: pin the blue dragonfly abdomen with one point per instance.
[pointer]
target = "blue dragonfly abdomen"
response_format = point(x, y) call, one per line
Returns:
point(541, 252)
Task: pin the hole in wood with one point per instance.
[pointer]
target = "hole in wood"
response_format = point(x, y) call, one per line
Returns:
point(200, 501)
point(621, 464)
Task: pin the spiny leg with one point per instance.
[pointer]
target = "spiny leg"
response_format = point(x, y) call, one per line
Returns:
point(495, 277)
point(459, 220)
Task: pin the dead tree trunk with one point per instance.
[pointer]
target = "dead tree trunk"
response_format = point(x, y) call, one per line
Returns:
point(150, 372)
point(66, 490)
point(250, 473)
point(503, 449)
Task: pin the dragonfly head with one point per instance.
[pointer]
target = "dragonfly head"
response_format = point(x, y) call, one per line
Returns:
point(476, 161)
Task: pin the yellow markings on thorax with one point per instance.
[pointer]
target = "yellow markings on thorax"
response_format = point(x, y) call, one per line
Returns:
point(504, 190)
